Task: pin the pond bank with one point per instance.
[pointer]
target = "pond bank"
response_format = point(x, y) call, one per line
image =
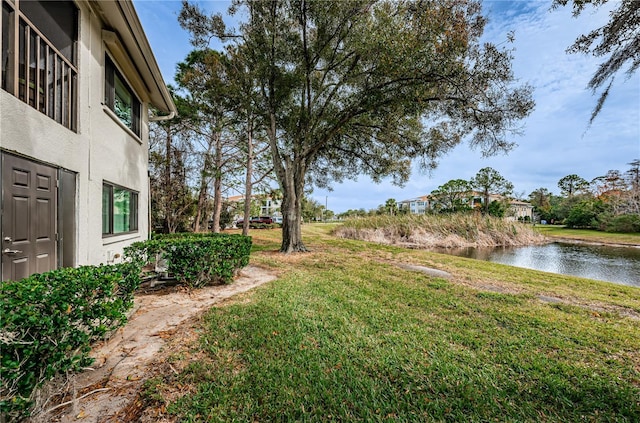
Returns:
point(619, 265)
point(589, 236)
point(597, 243)
point(440, 231)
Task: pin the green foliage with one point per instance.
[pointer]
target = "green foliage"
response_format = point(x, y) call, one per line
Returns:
point(497, 208)
point(195, 259)
point(489, 181)
point(453, 196)
point(625, 223)
point(585, 214)
point(573, 184)
point(364, 87)
point(49, 321)
point(226, 218)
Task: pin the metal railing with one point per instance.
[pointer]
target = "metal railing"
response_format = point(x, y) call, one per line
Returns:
point(40, 75)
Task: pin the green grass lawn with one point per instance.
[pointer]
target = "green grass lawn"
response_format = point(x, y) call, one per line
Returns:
point(589, 235)
point(346, 335)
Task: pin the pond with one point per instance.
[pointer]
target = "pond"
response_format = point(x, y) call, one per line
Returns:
point(612, 264)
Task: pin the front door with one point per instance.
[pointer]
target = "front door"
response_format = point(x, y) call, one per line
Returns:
point(28, 217)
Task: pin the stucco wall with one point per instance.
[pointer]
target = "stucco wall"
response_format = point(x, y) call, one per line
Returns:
point(101, 150)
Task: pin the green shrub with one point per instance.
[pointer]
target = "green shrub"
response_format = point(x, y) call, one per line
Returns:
point(625, 223)
point(195, 259)
point(49, 321)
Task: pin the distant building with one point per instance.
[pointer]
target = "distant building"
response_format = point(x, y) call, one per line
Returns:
point(268, 205)
point(518, 210)
point(418, 205)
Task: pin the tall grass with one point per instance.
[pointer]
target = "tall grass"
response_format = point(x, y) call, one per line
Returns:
point(440, 231)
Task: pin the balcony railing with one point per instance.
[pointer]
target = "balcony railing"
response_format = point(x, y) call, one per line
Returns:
point(40, 75)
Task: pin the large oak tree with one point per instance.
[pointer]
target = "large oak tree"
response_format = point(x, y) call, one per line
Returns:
point(366, 87)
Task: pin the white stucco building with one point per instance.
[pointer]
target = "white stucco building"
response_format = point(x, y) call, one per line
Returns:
point(77, 80)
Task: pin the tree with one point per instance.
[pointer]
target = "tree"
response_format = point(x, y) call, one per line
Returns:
point(203, 78)
point(612, 188)
point(497, 208)
point(391, 207)
point(257, 160)
point(453, 196)
point(365, 87)
point(541, 202)
point(312, 210)
point(352, 213)
point(585, 214)
point(489, 181)
point(172, 202)
point(633, 182)
point(573, 184)
point(618, 42)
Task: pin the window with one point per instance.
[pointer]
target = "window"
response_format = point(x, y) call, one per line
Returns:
point(119, 210)
point(120, 98)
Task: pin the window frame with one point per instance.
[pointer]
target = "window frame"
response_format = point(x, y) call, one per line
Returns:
point(112, 75)
point(134, 203)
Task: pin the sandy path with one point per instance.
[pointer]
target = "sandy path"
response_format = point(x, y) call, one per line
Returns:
point(122, 363)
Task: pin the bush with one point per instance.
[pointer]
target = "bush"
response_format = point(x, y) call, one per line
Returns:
point(625, 223)
point(49, 321)
point(586, 214)
point(195, 259)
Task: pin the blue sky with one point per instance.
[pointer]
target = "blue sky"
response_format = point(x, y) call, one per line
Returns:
point(557, 140)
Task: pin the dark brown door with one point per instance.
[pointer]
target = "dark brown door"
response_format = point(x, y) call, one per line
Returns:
point(28, 217)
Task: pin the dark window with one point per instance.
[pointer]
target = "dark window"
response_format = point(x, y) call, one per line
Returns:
point(120, 98)
point(58, 22)
point(119, 210)
point(7, 34)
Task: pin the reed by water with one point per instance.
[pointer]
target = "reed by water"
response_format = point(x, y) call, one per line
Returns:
point(440, 231)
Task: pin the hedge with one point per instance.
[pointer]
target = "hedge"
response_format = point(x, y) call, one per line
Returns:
point(195, 259)
point(49, 321)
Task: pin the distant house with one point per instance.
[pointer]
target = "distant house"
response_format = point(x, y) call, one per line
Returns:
point(268, 205)
point(429, 202)
point(518, 210)
point(418, 205)
point(78, 79)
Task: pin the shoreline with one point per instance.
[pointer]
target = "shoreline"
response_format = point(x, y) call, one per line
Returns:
point(586, 242)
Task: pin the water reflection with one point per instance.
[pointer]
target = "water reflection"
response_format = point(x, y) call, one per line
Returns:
point(613, 264)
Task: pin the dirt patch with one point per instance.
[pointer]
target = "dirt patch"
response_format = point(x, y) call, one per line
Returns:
point(426, 270)
point(123, 362)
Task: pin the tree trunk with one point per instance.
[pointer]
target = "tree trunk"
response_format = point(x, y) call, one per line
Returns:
point(202, 197)
point(217, 185)
point(248, 176)
point(167, 183)
point(485, 207)
point(292, 186)
point(201, 212)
